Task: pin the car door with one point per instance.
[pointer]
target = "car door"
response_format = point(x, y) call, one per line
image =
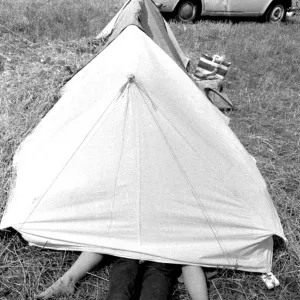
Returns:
point(233, 7)
point(248, 7)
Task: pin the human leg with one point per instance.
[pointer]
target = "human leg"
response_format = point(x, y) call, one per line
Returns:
point(122, 279)
point(158, 281)
point(66, 284)
point(195, 282)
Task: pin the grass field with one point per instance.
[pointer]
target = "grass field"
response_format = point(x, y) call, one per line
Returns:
point(42, 43)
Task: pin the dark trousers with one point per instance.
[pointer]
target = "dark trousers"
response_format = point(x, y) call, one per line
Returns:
point(130, 279)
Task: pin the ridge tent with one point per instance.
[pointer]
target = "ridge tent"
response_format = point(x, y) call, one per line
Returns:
point(134, 161)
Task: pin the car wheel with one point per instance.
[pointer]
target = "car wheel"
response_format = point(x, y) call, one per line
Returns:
point(275, 13)
point(188, 10)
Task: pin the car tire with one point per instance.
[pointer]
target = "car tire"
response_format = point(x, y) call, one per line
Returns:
point(188, 11)
point(276, 12)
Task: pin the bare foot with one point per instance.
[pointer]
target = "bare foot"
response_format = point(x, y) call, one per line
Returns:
point(58, 288)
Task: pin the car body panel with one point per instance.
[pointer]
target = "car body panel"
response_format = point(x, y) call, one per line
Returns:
point(232, 5)
point(228, 7)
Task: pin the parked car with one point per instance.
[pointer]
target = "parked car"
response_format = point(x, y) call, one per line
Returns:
point(190, 10)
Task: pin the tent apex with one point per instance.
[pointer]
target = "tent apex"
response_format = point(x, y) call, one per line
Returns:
point(131, 78)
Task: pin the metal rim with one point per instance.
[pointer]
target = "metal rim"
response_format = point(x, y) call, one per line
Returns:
point(277, 13)
point(187, 11)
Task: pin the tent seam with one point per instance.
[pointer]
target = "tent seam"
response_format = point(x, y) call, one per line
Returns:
point(124, 89)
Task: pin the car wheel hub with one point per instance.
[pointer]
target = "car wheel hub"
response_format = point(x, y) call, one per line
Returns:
point(277, 14)
point(187, 12)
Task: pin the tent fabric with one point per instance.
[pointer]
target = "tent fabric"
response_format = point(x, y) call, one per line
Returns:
point(136, 163)
point(146, 16)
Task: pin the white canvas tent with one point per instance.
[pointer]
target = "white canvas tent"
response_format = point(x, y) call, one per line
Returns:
point(134, 161)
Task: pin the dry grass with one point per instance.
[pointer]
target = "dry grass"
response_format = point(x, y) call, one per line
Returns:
point(57, 19)
point(46, 41)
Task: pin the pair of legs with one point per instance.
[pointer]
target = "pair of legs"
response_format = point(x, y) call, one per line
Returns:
point(193, 277)
point(132, 279)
